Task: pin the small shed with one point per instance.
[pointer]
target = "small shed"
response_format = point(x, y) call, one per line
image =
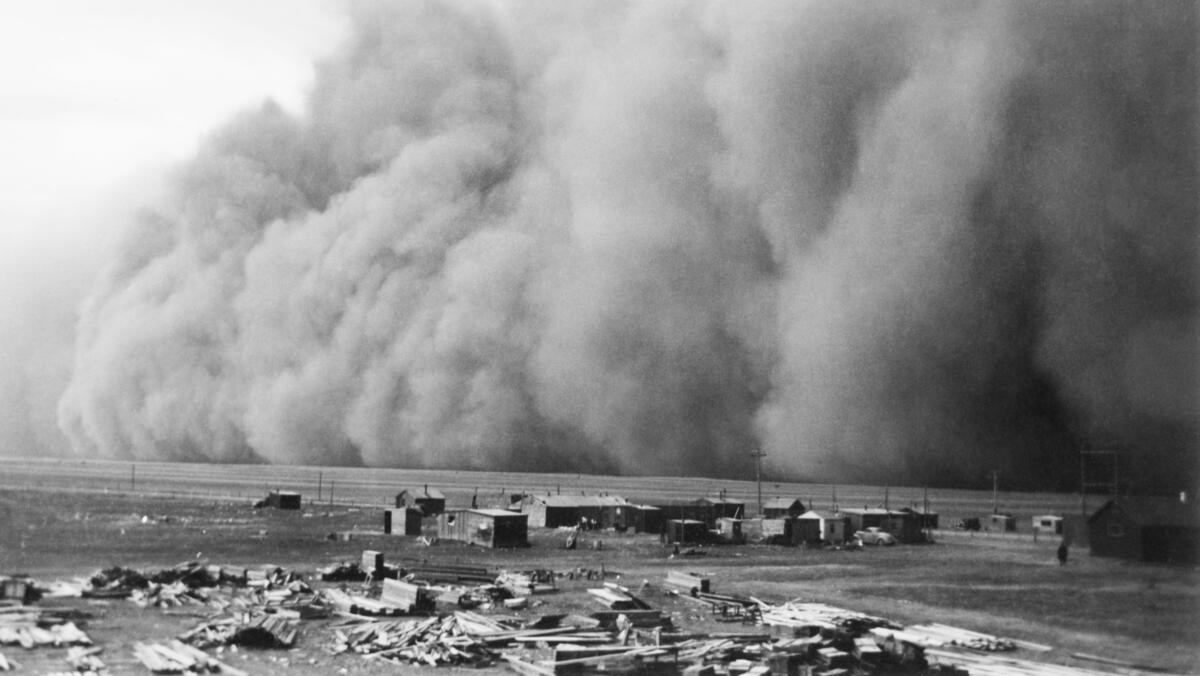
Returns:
point(430, 501)
point(640, 518)
point(1162, 530)
point(780, 531)
point(729, 530)
point(402, 521)
point(497, 528)
point(1005, 523)
point(283, 500)
point(781, 507)
point(1048, 524)
point(867, 517)
point(556, 511)
point(722, 508)
point(926, 519)
point(824, 526)
point(684, 531)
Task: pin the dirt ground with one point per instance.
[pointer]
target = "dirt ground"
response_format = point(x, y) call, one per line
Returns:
point(1014, 587)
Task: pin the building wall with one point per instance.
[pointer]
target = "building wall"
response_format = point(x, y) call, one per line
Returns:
point(1113, 534)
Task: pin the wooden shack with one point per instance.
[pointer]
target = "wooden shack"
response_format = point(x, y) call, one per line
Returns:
point(729, 530)
point(684, 531)
point(1161, 530)
point(780, 531)
point(640, 518)
point(719, 508)
point(1005, 523)
point(402, 521)
point(823, 526)
point(867, 517)
point(1048, 524)
point(497, 528)
point(781, 507)
point(283, 500)
point(429, 500)
point(556, 511)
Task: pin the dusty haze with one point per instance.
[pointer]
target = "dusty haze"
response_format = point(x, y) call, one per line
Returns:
point(882, 241)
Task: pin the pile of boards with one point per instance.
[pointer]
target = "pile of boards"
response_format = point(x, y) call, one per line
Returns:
point(178, 658)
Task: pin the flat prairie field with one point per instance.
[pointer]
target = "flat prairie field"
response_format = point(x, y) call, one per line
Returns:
point(62, 519)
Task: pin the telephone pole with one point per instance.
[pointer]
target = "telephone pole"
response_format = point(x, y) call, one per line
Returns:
point(758, 455)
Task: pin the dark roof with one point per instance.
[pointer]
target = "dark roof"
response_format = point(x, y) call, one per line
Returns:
point(781, 503)
point(424, 493)
point(1154, 511)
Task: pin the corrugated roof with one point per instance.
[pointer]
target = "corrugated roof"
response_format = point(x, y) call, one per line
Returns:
point(1155, 511)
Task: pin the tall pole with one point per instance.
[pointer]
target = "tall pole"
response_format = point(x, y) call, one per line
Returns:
point(320, 480)
point(133, 477)
point(995, 491)
point(758, 455)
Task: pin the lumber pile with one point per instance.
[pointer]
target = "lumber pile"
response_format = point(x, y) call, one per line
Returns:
point(432, 641)
point(440, 572)
point(179, 658)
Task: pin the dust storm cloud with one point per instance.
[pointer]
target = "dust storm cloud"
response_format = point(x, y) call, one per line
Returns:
point(881, 241)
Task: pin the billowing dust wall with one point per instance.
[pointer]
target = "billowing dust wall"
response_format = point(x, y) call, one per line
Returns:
point(890, 241)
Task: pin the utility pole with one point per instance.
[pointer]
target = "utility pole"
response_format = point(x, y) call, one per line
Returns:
point(320, 480)
point(995, 491)
point(132, 478)
point(758, 455)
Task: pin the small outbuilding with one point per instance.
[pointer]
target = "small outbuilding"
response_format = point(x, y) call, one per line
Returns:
point(722, 508)
point(823, 526)
point(684, 531)
point(281, 500)
point(1162, 530)
point(1005, 523)
point(927, 519)
point(867, 517)
point(729, 530)
point(780, 530)
point(430, 501)
point(781, 507)
point(640, 518)
point(402, 521)
point(496, 528)
point(1048, 524)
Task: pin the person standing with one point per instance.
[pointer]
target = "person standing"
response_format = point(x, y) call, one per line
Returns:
point(1062, 553)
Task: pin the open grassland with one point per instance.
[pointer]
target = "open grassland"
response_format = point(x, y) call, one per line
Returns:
point(63, 519)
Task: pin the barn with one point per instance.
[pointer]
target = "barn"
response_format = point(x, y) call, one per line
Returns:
point(402, 521)
point(822, 526)
point(430, 501)
point(496, 528)
point(1161, 530)
point(781, 507)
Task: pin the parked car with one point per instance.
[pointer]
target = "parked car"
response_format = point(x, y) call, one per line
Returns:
point(874, 536)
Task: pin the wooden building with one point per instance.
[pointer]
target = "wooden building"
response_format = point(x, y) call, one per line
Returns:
point(685, 531)
point(640, 519)
point(729, 530)
point(282, 500)
point(402, 521)
point(926, 519)
point(823, 526)
point(1048, 524)
point(497, 528)
point(867, 517)
point(781, 507)
point(430, 501)
point(780, 531)
point(556, 511)
point(1162, 530)
point(1005, 523)
point(722, 508)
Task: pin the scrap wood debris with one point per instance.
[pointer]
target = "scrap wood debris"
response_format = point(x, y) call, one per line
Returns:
point(432, 641)
point(177, 657)
point(262, 630)
point(31, 627)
